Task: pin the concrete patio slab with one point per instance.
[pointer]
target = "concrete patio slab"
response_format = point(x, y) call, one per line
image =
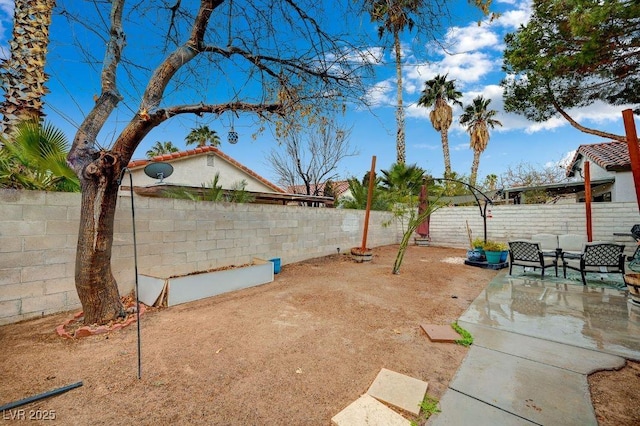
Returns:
point(588, 317)
point(538, 392)
point(460, 409)
point(398, 390)
point(368, 411)
point(440, 333)
point(579, 360)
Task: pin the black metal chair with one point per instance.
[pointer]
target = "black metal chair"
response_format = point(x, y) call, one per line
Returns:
point(596, 257)
point(529, 254)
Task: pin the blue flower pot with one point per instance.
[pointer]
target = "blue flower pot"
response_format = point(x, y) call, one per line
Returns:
point(493, 257)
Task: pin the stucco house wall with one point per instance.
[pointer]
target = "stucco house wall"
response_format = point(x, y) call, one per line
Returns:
point(199, 166)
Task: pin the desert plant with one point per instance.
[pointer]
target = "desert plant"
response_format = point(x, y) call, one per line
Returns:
point(477, 242)
point(494, 246)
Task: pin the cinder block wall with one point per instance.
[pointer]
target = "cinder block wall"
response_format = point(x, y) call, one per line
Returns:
point(448, 226)
point(39, 231)
point(38, 236)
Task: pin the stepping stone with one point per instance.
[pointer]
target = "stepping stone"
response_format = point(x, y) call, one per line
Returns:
point(398, 390)
point(441, 333)
point(368, 411)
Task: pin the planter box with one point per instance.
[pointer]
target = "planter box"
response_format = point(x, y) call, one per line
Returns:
point(155, 291)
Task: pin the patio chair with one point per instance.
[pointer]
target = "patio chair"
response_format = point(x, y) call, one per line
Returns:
point(548, 245)
point(529, 254)
point(595, 257)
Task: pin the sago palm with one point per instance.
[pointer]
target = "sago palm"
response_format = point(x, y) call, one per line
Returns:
point(477, 118)
point(437, 93)
point(402, 179)
point(36, 159)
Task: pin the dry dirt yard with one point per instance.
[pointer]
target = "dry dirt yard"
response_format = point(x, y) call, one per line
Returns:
point(292, 352)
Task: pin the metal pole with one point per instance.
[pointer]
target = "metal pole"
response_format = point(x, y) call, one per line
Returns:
point(135, 269)
point(40, 396)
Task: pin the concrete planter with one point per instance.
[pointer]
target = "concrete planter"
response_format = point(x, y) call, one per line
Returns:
point(156, 291)
point(360, 255)
point(422, 242)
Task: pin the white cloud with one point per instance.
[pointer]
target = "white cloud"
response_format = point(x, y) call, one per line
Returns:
point(512, 19)
point(372, 55)
point(597, 114)
point(564, 161)
point(463, 67)
point(427, 147)
point(470, 38)
point(382, 93)
point(460, 147)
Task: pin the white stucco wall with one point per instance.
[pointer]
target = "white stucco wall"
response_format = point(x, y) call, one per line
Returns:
point(200, 169)
point(623, 189)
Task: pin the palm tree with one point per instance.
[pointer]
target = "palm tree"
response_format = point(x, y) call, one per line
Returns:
point(402, 179)
point(161, 148)
point(22, 76)
point(359, 192)
point(436, 93)
point(394, 16)
point(201, 135)
point(477, 117)
point(36, 159)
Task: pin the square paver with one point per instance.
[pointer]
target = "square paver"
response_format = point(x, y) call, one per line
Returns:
point(368, 411)
point(398, 390)
point(441, 333)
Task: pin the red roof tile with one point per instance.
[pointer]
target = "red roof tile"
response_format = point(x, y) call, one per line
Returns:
point(205, 150)
point(611, 156)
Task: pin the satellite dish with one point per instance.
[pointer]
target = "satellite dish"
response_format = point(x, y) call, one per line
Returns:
point(158, 170)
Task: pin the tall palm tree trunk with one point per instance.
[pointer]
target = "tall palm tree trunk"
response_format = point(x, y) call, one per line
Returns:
point(474, 167)
point(444, 136)
point(22, 76)
point(400, 139)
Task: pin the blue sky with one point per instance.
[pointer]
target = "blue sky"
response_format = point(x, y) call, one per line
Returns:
point(473, 59)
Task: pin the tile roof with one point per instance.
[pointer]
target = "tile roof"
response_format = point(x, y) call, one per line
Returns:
point(201, 150)
point(339, 188)
point(611, 156)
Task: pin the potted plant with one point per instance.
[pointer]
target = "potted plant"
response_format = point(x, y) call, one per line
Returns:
point(493, 250)
point(477, 250)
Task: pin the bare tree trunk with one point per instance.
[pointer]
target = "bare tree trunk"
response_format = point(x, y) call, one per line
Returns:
point(400, 139)
point(96, 286)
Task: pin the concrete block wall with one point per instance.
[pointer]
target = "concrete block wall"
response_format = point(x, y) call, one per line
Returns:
point(39, 231)
point(38, 236)
point(448, 224)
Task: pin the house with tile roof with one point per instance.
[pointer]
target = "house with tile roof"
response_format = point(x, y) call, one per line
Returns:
point(340, 189)
point(198, 166)
point(607, 161)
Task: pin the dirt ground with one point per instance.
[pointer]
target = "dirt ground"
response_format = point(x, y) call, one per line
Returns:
point(295, 351)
